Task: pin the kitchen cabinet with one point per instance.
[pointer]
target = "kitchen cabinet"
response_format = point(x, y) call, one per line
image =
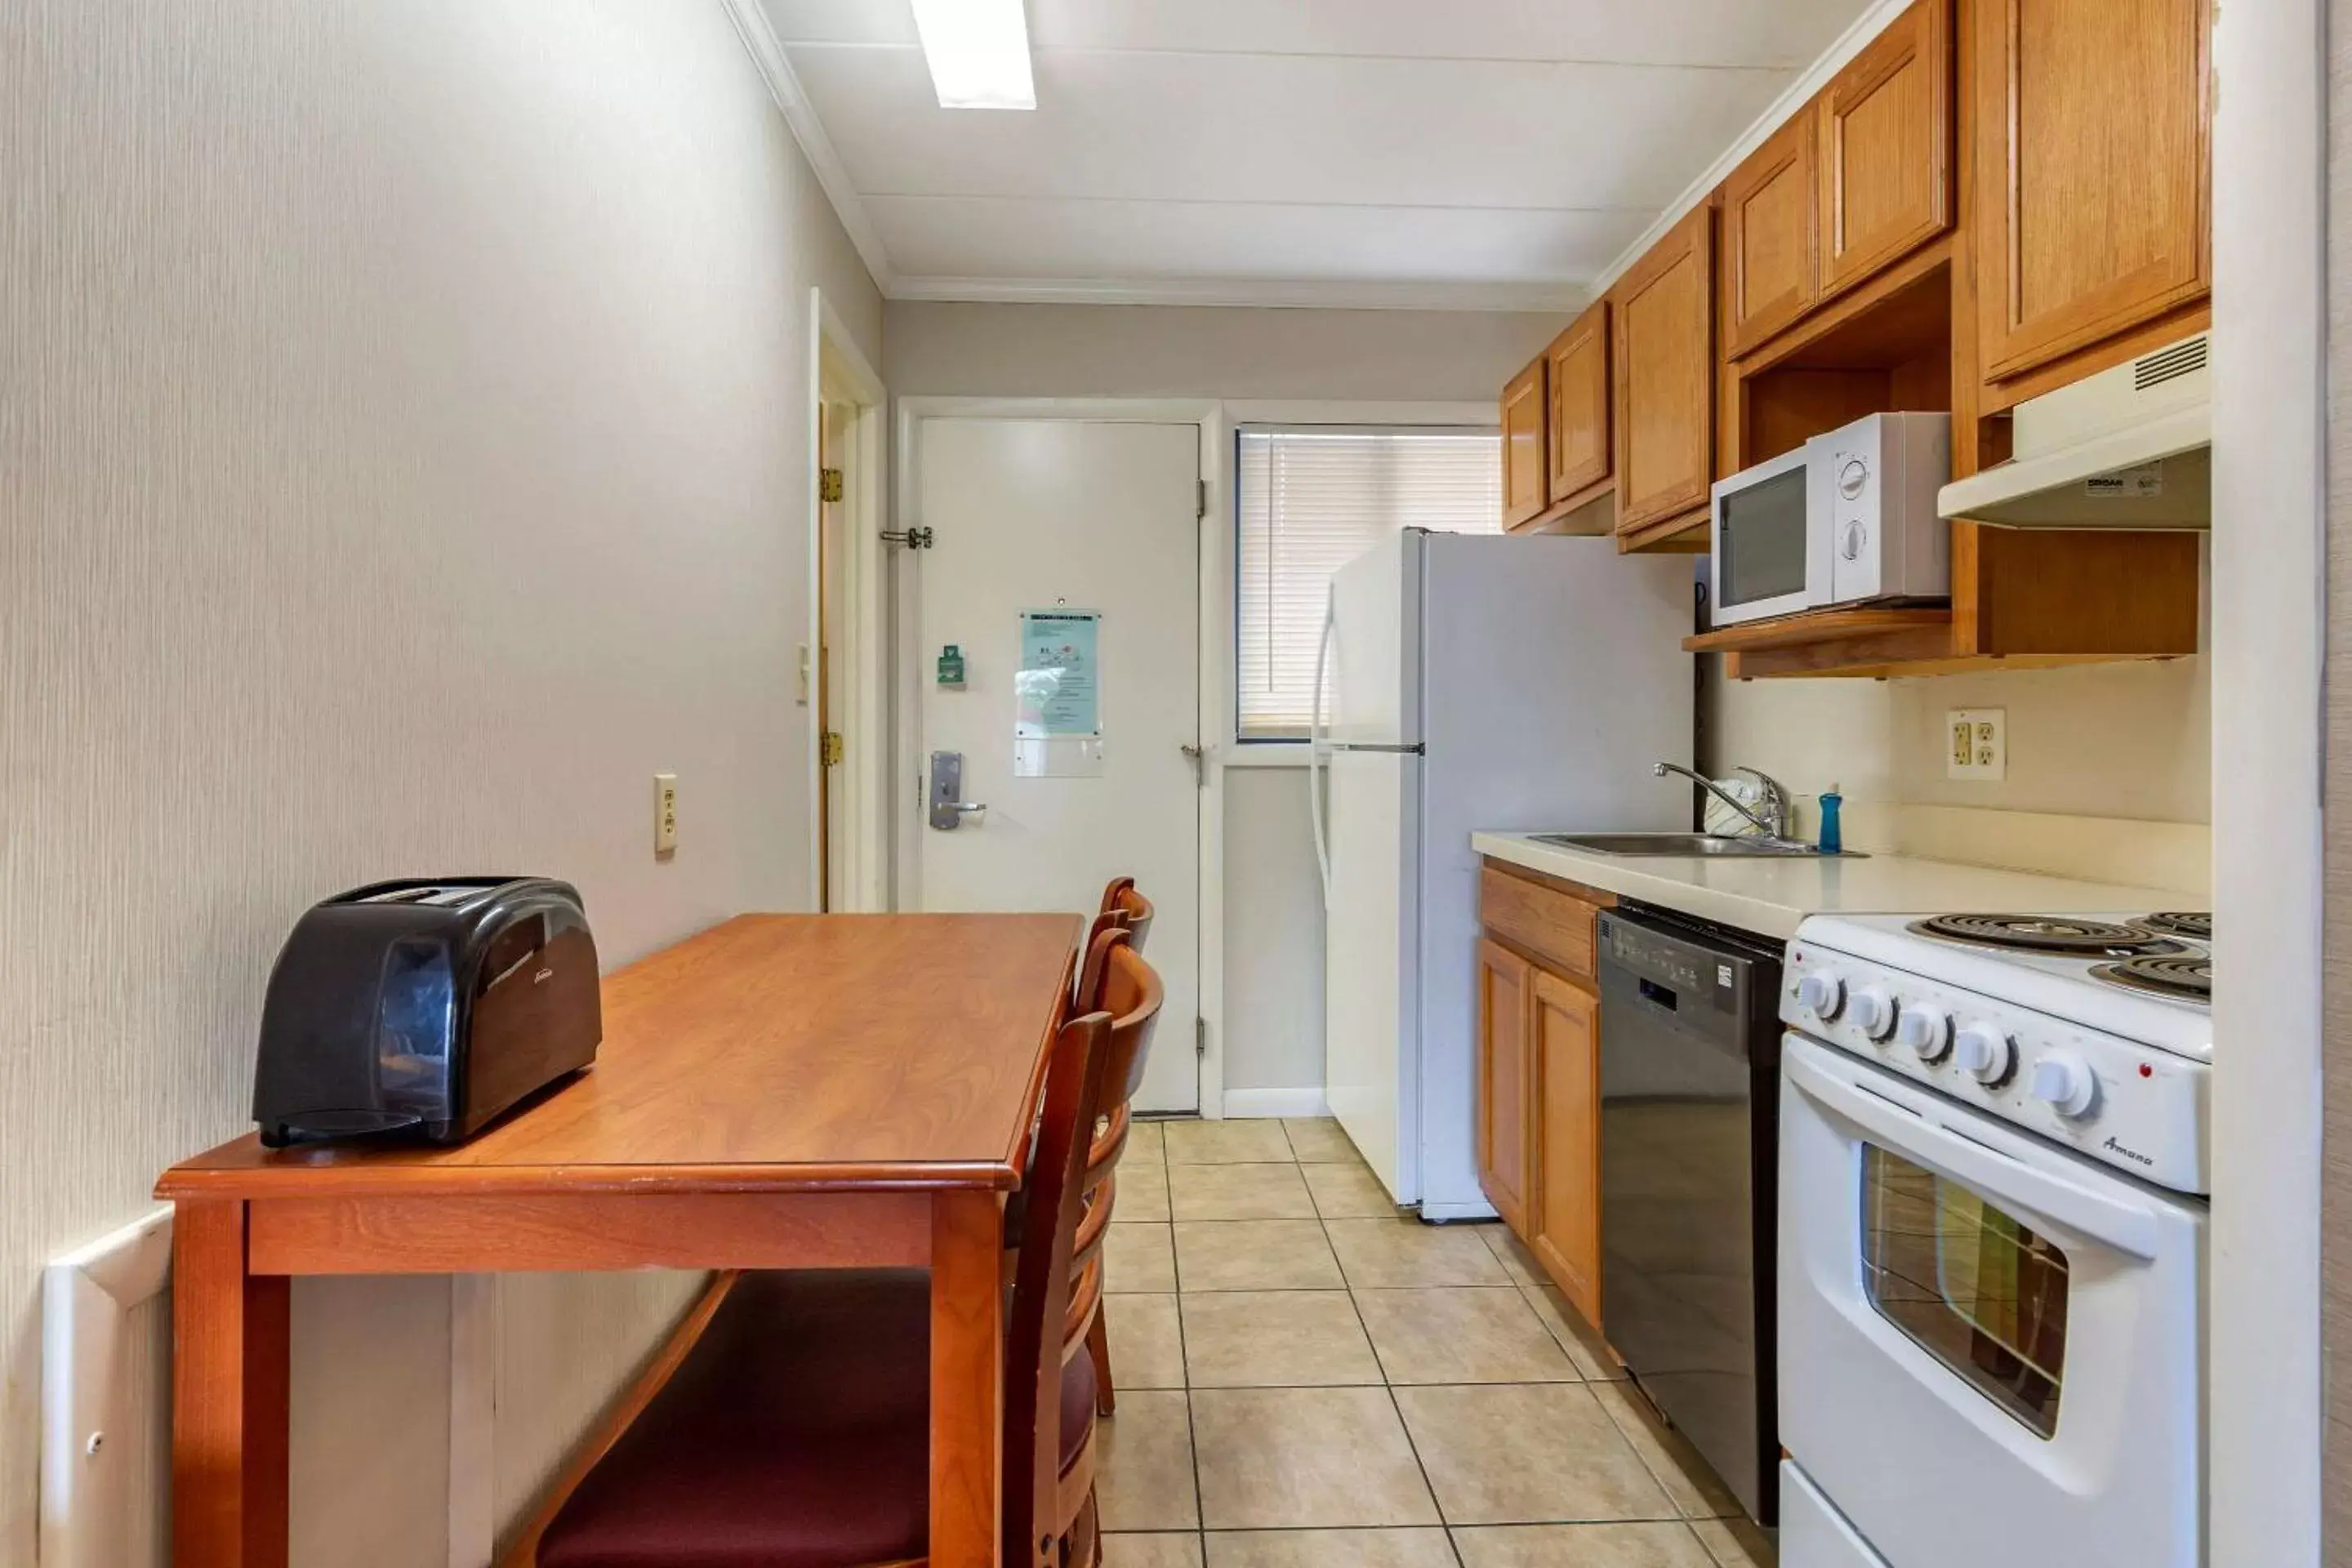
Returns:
point(1539, 1070)
point(1885, 134)
point(1524, 469)
point(1576, 376)
point(1564, 1229)
point(1770, 242)
point(1504, 996)
point(2089, 135)
point(1662, 358)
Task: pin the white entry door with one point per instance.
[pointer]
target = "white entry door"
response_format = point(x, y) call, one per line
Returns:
point(1046, 514)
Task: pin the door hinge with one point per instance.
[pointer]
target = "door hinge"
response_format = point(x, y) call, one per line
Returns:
point(829, 749)
point(828, 484)
point(1200, 1037)
point(1202, 500)
point(912, 538)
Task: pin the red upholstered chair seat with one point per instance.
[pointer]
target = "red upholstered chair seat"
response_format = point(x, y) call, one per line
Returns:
point(796, 1436)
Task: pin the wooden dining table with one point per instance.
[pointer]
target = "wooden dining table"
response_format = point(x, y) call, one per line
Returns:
point(781, 1092)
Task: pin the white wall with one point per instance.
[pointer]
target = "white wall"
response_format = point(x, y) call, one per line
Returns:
point(2101, 740)
point(1273, 931)
point(402, 413)
point(1149, 351)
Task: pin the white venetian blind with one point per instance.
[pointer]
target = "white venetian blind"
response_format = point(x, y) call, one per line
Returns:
point(1310, 501)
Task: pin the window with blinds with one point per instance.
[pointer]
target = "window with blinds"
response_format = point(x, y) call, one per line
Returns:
point(1311, 500)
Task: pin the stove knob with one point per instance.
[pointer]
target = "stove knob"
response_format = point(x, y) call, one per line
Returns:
point(1872, 1011)
point(1927, 1031)
point(1984, 1053)
point(2063, 1081)
point(1820, 993)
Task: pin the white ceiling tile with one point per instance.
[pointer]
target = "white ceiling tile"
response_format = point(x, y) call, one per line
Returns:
point(1269, 128)
point(1097, 240)
point(1489, 143)
point(1784, 33)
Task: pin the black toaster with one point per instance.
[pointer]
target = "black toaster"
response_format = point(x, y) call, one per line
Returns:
point(422, 1009)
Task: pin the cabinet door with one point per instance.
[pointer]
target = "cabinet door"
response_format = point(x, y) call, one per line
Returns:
point(1576, 372)
point(1505, 995)
point(1885, 148)
point(1523, 445)
point(1769, 238)
point(1567, 1053)
point(2093, 160)
point(1661, 357)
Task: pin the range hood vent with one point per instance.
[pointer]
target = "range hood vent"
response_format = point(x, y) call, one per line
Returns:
point(2128, 447)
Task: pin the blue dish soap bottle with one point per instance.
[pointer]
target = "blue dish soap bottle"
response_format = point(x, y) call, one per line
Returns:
point(1833, 838)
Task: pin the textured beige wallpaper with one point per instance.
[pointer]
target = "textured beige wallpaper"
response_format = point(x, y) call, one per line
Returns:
point(402, 413)
point(2336, 1195)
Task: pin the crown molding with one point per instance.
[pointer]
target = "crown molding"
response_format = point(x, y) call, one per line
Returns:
point(1874, 21)
point(1319, 294)
point(767, 53)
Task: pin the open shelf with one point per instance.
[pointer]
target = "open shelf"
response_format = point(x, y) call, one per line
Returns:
point(2022, 599)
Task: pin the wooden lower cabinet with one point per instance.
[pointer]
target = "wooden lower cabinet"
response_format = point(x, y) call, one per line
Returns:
point(1505, 995)
point(1564, 1226)
point(1539, 1071)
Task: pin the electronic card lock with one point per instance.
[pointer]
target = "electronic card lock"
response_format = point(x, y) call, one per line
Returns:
point(948, 812)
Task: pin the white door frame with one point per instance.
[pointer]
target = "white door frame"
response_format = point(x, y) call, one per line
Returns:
point(1215, 615)
point(835, 361)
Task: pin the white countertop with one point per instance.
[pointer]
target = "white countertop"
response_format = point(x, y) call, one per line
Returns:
point(1770, 895)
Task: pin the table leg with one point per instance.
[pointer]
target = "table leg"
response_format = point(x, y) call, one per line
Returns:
point(967, 1378)
point(229, 1376)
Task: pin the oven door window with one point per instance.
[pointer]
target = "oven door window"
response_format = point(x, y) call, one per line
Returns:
point(1974, 1287)
point(1761, 541)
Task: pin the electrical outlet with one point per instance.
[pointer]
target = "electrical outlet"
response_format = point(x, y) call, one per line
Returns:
point(1976, 743)
point(665, 812)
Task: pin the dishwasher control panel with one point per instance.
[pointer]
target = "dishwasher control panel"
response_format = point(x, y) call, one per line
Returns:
point(2125, 1104)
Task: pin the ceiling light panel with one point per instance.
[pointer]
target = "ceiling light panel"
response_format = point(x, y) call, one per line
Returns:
point(977, 51)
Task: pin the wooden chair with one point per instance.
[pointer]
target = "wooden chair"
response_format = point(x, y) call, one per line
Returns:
point(790, 1426)
point(1122, 982)
point(1123, 909)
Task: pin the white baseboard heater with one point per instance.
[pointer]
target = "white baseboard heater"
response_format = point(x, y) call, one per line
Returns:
point(96, 1443)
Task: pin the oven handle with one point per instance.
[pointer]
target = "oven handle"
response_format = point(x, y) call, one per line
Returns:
point(2075, 1202)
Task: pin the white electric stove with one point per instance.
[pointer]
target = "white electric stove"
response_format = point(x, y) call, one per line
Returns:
point(1992, 1233)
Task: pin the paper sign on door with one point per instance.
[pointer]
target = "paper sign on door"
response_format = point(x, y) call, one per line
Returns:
point(1058, 692)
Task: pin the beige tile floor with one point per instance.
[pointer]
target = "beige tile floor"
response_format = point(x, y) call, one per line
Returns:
point(1308, 1380)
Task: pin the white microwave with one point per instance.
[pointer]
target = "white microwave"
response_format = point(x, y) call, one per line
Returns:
point(1848, 518)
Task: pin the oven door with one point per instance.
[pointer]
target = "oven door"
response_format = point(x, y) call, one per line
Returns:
point(1769, 541)
point(1989, 1347)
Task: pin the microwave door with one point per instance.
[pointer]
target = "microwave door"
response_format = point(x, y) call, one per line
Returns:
point(1764, 542)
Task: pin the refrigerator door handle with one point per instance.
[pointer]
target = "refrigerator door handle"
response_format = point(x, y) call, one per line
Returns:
point(1314, 747)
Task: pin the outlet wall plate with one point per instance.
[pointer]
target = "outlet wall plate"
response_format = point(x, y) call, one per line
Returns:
point(665, 812)
point(1976, 743)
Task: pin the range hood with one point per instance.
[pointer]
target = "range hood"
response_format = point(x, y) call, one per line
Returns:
point(2128, 447)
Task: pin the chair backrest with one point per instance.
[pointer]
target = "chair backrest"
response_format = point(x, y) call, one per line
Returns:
point(1124, 910)
point(1131, 992)
point(1078, 1089)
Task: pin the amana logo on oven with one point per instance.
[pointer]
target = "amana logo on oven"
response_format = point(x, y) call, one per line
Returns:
point(2129, 1153)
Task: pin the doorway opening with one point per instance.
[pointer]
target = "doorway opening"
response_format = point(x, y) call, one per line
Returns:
point(844, 681)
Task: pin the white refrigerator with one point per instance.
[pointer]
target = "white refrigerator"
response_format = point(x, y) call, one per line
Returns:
point(1470, 682)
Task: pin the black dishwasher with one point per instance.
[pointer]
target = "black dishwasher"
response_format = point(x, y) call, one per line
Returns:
point(1690, 1078)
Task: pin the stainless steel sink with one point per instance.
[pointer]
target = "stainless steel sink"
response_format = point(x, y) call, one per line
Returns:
point(1688, 845)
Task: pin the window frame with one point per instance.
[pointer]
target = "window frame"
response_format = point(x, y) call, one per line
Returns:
point(1338, 417)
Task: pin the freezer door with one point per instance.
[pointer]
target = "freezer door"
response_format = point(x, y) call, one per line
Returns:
point(1375, 652)
point(1370, 974)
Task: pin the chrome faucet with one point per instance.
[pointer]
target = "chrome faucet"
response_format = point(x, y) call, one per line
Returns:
point(1772, 821)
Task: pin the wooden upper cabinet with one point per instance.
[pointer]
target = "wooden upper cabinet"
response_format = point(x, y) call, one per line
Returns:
point(1770, 242)
point(1523, 445)
point(1662, 358)
point(1505, 983)
point(1576, 370)
point(2093, 156)
point(1885, 140)
point(1565, 1043)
